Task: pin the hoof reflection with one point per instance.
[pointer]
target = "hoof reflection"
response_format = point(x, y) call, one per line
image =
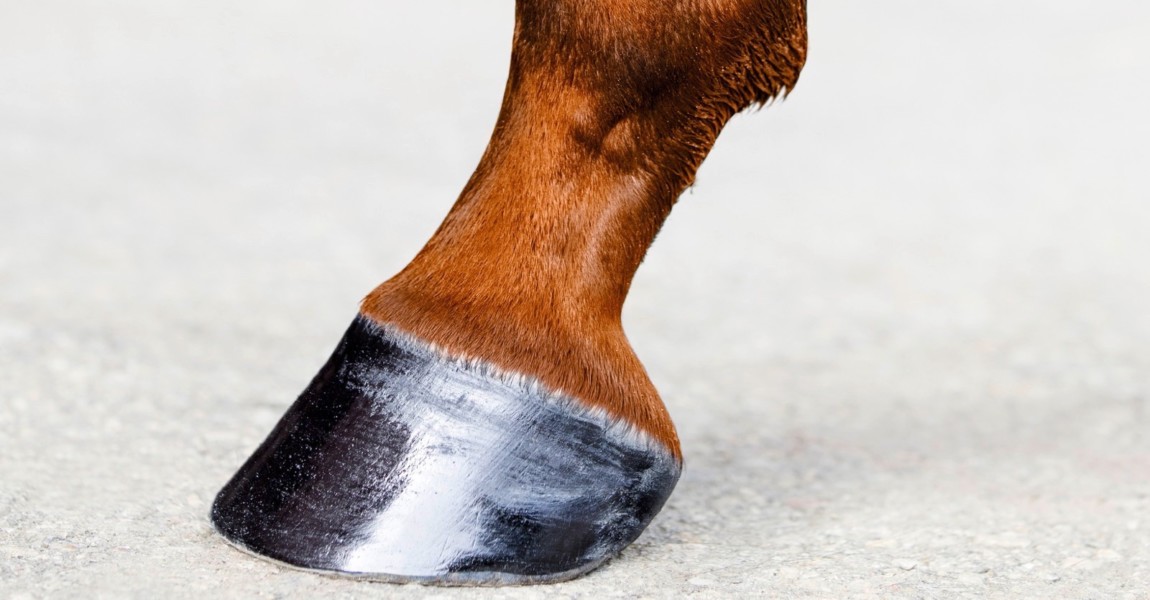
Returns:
point(401, 465)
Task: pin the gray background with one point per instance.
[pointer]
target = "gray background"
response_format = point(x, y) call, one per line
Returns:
point(901, 322)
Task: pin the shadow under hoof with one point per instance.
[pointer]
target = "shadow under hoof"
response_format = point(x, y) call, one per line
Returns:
point(400, 464)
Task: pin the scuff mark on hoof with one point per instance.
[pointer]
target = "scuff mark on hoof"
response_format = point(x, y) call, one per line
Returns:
point(400, 464)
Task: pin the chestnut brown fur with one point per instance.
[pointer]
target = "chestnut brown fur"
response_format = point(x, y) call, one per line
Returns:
point(610, 107)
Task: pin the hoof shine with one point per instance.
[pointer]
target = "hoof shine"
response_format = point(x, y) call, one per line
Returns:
point(400, 464)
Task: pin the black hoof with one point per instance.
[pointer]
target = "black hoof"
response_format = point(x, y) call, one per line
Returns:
point(401, 465)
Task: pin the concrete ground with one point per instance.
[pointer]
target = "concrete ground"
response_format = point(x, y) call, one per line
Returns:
point(902, 321)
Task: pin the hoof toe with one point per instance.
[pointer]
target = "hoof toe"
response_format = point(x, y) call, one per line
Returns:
point(400, 464)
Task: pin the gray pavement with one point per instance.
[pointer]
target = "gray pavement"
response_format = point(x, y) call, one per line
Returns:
point(901, 322)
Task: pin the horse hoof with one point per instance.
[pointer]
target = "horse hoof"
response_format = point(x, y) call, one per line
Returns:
point(400, 464)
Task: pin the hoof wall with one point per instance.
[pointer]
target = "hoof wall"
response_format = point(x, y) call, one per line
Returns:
point(399, 464)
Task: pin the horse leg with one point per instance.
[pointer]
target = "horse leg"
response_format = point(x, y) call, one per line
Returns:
point(484, 420)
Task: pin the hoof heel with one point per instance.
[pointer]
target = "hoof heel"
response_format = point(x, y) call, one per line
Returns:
point(399, 464)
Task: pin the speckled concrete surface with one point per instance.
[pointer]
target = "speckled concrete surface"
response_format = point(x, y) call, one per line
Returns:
point(901, 321)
